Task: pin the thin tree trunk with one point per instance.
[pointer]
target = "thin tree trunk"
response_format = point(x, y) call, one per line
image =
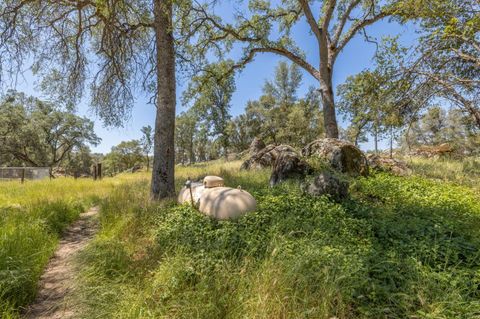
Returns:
point(375, 136)
point(391, 141)
point(225, 146)
point(191, 153)
point(163, 182)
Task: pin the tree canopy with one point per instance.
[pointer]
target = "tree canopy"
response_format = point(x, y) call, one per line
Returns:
point(39, 133)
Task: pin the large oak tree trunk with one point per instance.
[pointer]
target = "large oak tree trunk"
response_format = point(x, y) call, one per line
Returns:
point(163, 184)
point(329, 116)
point(326, 87)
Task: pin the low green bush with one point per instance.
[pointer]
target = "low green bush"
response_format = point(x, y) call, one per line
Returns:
point(397, 248)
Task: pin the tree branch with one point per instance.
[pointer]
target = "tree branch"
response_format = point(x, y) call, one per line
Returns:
point(342, 21)
point(310, 19)
point(329, 8)
point(283, 52)
point(356, 28)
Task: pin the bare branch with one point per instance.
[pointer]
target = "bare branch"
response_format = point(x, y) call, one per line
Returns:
point(357, 27)
point(342, 21)
point(310, 19)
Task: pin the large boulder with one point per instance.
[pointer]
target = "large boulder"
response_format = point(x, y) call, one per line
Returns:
point(256, 146)
point(433, 151)
point(266, 157)
point(387, 164)
point(288, 165)
point(342, 155)
point(327, 184)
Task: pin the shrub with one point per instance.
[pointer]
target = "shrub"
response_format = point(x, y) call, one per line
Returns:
point(397, 248)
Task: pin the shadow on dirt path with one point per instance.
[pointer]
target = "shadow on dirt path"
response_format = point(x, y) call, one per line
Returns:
point(57, 280)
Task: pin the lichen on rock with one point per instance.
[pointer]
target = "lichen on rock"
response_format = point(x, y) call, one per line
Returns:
point(341, 155)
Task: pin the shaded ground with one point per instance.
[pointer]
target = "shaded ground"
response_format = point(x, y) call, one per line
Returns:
point(57, 280)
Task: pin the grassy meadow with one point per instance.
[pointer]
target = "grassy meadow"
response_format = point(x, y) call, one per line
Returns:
point(32, 217)
point(399, 247)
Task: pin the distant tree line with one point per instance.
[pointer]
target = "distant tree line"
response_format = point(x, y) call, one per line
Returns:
point(118, 48)
point(206, 131)
point(39, 133)
point(438, 126)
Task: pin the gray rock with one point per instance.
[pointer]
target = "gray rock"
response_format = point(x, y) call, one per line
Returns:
point(342, 155)
point(387, 164)
point(288, 165)
point(256, 146)
point(267, 156)
point(327, 184)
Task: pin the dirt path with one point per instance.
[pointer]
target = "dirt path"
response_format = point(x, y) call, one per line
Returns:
point(57, 280)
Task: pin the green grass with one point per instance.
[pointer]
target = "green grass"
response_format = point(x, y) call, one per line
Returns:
point(32, 218)
point(464, 172)
point(397, 248)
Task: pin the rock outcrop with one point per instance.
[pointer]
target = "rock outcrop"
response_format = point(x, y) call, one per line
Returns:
point(267, 156)
point(327, 184)
point(289, 165)
point(256, 146)
point(342, 156)
point(285, 161)
point(387, 164)
point(433, 151)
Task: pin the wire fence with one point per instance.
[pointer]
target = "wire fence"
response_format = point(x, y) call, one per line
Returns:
point(22, 173)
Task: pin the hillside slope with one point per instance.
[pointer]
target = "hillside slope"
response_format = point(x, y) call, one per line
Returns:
point(399, 247)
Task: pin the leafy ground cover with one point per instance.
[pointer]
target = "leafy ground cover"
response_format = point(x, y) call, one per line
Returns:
point(397, 248)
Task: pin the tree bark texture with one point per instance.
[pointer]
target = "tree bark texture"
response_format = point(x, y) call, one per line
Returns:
point(163, 175)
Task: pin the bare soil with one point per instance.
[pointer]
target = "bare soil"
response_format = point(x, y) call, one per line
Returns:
point(58, 279)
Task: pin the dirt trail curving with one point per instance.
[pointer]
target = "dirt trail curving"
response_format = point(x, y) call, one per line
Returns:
point(58, 278)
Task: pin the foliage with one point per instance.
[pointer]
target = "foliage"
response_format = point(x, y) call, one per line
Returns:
point(123, 156)
point(212, 92)
point(63, 44)
point(206, 131)
point(80, 162)
point(279, 116)
point(437, 126)
point(39, 133)
point(397, 248)
point(193, 140)
point(444, 64)
point(147, 143)
point(264, 27)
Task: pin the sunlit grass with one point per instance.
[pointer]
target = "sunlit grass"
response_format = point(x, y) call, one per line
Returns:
point(394, 248)
point(400, 247)
point(32, 218)
point(13, 193)
point(465, 171)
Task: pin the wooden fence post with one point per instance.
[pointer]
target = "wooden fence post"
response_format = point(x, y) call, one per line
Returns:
point(99, 170)
point(23, 175)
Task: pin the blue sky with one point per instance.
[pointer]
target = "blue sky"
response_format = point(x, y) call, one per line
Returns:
point(356, 57)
